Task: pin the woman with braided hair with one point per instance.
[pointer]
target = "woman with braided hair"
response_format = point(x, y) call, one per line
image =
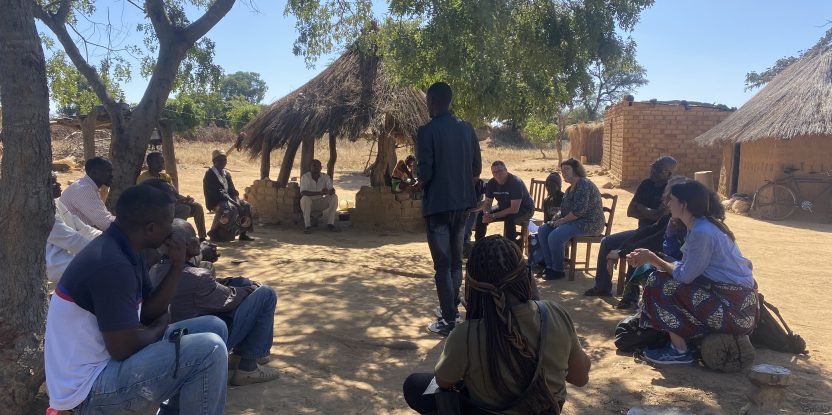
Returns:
point(710, 290)
point(492, 357)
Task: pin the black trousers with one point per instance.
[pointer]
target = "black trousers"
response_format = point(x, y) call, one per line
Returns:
point(509, 221)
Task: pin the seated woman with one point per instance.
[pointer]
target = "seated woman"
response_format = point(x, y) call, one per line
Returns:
point(402, 178)
point(492, 356)
point(232, 215)
point(581, 213)
point(711, 290)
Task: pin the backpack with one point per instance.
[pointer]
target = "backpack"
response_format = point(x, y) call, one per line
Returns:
point(769, 334)
point(535, 251)
point(630, 337)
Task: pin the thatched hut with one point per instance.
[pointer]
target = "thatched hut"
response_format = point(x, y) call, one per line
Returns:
point(787, 125)
point(353, 97)
point(586, 139)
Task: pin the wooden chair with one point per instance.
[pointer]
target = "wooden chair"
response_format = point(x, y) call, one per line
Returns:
point(623, 268)
point(572, 248)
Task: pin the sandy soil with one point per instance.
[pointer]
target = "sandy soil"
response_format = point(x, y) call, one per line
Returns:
point(353, 307)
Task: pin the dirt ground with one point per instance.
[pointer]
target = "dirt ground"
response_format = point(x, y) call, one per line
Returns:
point(353, 309)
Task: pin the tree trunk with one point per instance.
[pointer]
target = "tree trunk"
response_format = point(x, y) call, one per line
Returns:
point(286, 164)
point(307, 154)
point(265, 162)
point(88, 133)
point(168, 151)
point(333, 155)
point(131, 135)
point(385, 161)
point(26, 205)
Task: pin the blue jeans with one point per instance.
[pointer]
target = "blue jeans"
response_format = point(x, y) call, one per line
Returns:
point(603, 279)
point(444, 231)
point(252, 327)
point(553, 243)
point(471, 220)
point(143, 381)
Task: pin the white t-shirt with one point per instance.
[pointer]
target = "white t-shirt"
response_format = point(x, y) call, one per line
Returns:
point(308, 184)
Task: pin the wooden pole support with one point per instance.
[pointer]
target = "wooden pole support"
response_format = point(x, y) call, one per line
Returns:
point(166, 131)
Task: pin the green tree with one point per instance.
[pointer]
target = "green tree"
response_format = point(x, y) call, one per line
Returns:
point(240, 113)
point(754, 79)
point(247, 85)
point(71, 91)
point(506, 59)
point(611, 79)
point(184, 112)
point(174, 55)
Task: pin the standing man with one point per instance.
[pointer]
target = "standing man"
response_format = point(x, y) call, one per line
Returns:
point(514, 203)
point(83, 199)
point(317, 194)
point(186, 206)
point(448, 154)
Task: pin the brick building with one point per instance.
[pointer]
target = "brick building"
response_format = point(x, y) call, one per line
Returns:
point(636, 133)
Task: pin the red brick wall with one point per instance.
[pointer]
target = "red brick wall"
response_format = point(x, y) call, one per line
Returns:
point(637, 133)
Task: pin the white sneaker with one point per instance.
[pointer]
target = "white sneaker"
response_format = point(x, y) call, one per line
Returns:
point(440, 327)
point(438, 313)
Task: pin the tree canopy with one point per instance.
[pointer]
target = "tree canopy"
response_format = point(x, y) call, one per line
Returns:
point(246, 85)
point(505, 59)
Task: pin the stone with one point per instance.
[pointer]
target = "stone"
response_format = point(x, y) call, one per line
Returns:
point(768, 389)
point(657, 410)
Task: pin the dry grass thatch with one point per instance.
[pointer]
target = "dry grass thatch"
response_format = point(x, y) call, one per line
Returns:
point(350, 98)
point(797, 102)
point(586, 139)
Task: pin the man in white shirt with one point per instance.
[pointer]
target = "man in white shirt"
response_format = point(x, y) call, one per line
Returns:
point(318, 194)
point(69, 236)
point(83, 199)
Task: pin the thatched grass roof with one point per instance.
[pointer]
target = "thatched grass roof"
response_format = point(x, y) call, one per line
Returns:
point(796, 103)
point(352, 97)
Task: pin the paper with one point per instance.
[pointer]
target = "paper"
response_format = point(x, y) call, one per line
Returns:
point(432, 387)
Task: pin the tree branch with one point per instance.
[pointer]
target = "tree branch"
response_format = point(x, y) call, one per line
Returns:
point(162, 25)
point(57, 23)
point(212, 16)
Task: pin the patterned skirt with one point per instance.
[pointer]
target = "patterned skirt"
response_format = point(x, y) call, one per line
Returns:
point(230, 220)
point(701, 307)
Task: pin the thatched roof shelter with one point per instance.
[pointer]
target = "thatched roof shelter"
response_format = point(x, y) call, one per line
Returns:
point(796, 103)
point(354, 96)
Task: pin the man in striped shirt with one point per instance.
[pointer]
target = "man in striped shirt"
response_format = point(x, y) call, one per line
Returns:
point(82, 198)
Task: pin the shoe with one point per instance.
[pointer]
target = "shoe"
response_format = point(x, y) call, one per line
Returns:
point(668, 355)
point(466, 250)
point(244, 237)
point(234, 361)
point(333, 228)
point(308, 230)
point(259, 375)
point(538, 269)
point(440, 327)
point(626, 305)
point(438, 313)
point(550, 274)
point(597, 292)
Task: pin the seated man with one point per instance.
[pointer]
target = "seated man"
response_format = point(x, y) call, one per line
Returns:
point(647, 206)
point(247, 308)
point(403, 178)
point(232, 215)
point(514, 203)
point(68, 237)
point(83, 199)
point(186, 206)
point(108, 346)
point(317, 194)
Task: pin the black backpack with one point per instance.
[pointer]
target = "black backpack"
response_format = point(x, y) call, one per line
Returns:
point(769, 333)
point(629, 337)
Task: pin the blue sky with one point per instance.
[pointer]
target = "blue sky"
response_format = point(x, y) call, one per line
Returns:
point(695, 50)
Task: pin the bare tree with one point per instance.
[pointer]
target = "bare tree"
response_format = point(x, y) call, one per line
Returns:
point(26, 209)
point(131, 132)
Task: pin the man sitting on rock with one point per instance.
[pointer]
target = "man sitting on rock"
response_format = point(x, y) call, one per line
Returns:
point(186, 206)
point(247, 308)
point(317, 194)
